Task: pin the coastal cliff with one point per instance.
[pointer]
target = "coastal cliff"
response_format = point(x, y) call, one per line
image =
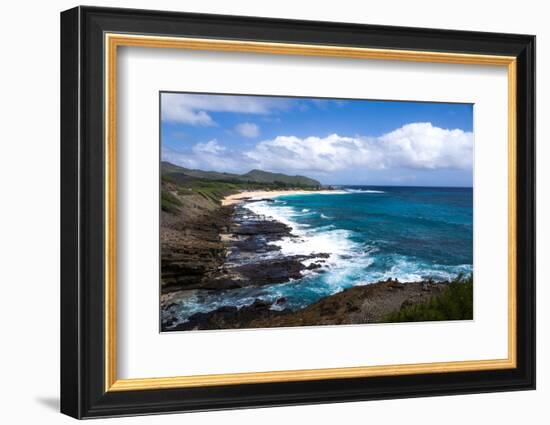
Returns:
point(196, 228)
point(213, 244)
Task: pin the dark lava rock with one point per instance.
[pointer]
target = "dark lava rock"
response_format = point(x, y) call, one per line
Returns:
point(229, 317)
point(261, 227)
point(191, 250)
point(269, 272)
point(249, 200)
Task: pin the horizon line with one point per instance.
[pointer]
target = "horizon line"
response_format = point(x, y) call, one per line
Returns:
point(303, 175)
point(397, 185)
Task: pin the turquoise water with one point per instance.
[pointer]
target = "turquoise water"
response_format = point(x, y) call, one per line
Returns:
point(371, 234)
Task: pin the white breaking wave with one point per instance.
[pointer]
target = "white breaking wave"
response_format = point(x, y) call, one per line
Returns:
point(364, 191)
point(349, 261)
point(306, 241)
point(332, 242)
point(346, 260)
point(278, 212)
point(407, 269)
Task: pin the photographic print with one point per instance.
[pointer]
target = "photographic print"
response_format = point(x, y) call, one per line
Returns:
point(293, 211)
point(324, 185)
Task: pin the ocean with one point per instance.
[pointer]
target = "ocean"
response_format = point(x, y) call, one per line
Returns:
point(370, 233)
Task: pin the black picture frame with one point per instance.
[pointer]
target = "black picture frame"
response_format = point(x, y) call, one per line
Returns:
point(83, 392)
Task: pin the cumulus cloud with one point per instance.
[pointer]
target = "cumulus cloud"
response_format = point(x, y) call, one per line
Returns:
point(212, 147)
point(173, 109)
point(325, 103)
point(179, 158)
point(421, 145)
point(248, 129)
point(212, 156)
point(194, 109)
point(415, 146)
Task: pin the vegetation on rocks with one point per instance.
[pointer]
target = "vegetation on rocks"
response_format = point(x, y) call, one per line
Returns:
point(254, 179)
point(178, 182)
point(454, 303)
point(169, 202)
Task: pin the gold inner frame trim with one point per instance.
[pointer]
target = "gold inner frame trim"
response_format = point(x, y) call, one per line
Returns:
point(113, 41)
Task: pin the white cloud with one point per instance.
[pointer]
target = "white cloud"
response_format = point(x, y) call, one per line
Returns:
point(173, 110)
point(421, 145)
point(212, 147)
point(415, 146)
point(325, 103)
point(248, 129)
point(179, 158)
point(212, 156)
point(193, 108)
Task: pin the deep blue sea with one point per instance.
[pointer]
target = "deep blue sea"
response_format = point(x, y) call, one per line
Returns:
point(371, 233)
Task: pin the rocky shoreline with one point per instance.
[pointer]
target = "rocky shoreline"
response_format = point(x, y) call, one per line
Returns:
point(229, 247)
point(362, 304)
point(233, 250)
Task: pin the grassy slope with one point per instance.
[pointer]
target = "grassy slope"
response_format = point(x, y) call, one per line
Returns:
point(168, 168)
point(179, 183)
point(455, 303)
point(211, 190)
point(266, 177)
point(254, 176)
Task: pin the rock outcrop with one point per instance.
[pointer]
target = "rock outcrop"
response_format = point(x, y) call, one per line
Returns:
point(357, 305)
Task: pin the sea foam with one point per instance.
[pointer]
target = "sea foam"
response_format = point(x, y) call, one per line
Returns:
point(364, 191)
point(347, 258)
point(366, 242)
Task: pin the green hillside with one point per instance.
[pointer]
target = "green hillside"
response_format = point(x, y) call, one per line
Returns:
point(267, 177)
point(169, 168)
point(182, 174)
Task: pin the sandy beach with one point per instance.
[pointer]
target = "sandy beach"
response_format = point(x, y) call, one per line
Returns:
point(255, 194)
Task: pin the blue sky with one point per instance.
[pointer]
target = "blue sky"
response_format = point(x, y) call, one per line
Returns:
point(361, 142)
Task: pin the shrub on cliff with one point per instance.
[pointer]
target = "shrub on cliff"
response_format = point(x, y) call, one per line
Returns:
point(455, 303)
point(169, 202)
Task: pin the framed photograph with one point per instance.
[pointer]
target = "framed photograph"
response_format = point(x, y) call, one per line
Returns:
point(261, 212)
